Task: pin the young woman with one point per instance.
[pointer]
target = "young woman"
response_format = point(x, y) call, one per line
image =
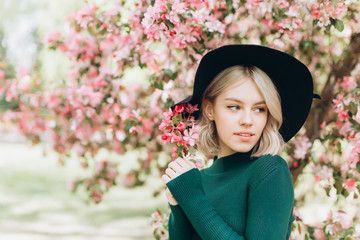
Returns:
point(252, 99)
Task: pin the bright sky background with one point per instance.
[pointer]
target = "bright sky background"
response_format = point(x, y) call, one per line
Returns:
point(26, 22)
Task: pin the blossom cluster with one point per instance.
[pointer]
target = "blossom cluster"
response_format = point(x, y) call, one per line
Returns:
point(104, 177)
point(180, 129)
point(159, 222)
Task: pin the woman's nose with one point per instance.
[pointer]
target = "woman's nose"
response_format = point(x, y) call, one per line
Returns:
point(246, 118)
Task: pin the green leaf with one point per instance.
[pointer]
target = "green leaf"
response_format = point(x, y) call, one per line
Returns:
point(169, 103)
point(358, 167)
point(328, 27)
point(334, 2)
point(315, 22)
point(339, 25)
point(169, 24)
point(199, 51)
point(229, 3)
point(172, 75)
point(179, 150)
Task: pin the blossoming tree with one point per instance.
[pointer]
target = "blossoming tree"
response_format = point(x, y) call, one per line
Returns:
point(93, 109)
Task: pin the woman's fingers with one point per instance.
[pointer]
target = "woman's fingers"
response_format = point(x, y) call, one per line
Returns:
point(186, 164)
point(165, 178)
point(170, 197)
point(171, 173)
point(176, 167)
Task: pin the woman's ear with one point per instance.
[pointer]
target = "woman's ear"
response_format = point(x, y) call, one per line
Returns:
point(208, 109)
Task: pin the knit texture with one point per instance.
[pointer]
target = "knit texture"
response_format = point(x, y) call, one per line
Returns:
point(237, 198)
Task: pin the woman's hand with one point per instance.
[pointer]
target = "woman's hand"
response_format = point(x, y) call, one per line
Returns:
point(175, 169)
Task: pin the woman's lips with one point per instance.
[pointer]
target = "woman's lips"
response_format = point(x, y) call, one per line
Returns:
point(244, 135)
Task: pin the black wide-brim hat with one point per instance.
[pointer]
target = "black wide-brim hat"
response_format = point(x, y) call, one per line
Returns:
point(291, 77)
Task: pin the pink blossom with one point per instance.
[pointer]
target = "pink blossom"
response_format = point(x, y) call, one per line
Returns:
point(354, 156)
point(178, 7)
point(168, 114)
point(338, 102)
point(214, 25)
point(349, 83)
point(133, 130)
point(198, 17)
point(190, 137)
point(334, 229)
point(111, 173)
point(99, 167)
point(2, 74)
point(160, 6)
point(181, 126)
point(345, 129)
point(316, 11)
point(51, 37)
point(319, 234)
point(124, 115)
point(343, 116)
point(97, 196)
point(174, 153)
point(166, 138)
point(176, 138)
point(129, 180)
point(164, 124)
point(350, 182)
point(357, 116)
point(191, 108)
point(93, 72)
point(302, 146)
point(179, 108)
point(95, 98)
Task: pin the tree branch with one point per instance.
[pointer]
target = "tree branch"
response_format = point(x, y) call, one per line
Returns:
point(320, 108)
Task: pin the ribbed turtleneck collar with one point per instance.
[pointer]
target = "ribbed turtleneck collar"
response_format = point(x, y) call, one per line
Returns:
point(229, 162)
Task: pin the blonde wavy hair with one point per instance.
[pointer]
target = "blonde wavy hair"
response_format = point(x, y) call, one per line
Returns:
point(271, 142)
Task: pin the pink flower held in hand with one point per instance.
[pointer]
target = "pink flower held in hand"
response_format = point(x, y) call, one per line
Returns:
point(168, 115)
point(179, 108)
point(191, 108)
point(190, 137)
point(181, 126)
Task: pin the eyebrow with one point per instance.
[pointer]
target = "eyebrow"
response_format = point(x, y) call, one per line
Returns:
point(237, 100)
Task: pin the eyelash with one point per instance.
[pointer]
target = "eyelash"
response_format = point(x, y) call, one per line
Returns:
point(232, 106)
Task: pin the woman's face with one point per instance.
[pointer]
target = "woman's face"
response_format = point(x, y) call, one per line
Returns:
point(240, 115)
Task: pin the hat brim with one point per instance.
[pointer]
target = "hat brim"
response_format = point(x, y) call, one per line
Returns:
point(291, 77)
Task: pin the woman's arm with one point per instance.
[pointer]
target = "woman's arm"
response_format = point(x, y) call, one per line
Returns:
point(187, 190)
point(179, 225)
point(270, 205)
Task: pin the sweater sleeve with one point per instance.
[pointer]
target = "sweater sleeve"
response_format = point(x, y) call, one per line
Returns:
point(270, 203)
point(187, 190)
point(179, 226)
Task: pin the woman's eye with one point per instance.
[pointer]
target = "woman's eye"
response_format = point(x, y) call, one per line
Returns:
point(233, 107)
point(260, 109)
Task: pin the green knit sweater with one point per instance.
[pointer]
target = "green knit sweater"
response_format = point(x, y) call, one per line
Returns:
point(237, 197)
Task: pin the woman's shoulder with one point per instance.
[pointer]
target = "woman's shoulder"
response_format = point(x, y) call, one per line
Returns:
point(266, 165)
point(269, 162)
